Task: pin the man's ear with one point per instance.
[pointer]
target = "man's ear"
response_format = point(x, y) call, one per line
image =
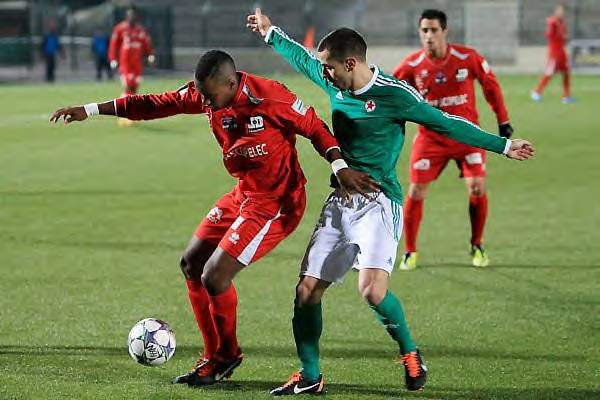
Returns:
point(350, 63)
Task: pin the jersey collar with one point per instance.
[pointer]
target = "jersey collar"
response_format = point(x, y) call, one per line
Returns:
point(242, 89)
point(371, 82)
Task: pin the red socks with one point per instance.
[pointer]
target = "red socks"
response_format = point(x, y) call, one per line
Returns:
point(223, 308)
point(478, 214)
point(200, 305)
point(542, 83)
point(566, 85)
point(413, 212)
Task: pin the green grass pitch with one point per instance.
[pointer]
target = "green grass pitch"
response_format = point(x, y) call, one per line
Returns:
point(93, 218)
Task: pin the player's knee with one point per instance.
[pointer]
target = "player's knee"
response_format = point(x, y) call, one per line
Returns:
point(307, 294)
point(417, 191)
point(190, 269)
point(477, 189)
point(372, 292)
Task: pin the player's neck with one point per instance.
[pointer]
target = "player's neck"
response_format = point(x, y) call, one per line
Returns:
point(438, 54)
point(361, 77)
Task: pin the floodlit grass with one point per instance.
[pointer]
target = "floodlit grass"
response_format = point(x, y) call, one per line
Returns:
point(93, 218)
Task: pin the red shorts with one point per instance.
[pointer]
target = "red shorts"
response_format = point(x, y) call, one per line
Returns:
point(428, 158)
point(556, 63)
point(248, 227)
point(130, 79)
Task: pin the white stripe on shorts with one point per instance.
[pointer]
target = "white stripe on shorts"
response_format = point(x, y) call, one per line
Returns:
point(246, 256)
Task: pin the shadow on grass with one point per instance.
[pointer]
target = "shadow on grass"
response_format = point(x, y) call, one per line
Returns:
point(496, 266)
point(332, 388)
point(96, 192)
point(353, 351)
point(395, 391)
point(101, 244)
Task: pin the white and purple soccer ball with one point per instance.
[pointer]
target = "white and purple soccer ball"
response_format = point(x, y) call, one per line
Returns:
point(151, 342)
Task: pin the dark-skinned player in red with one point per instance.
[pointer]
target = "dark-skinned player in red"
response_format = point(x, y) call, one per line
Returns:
point(255, 121)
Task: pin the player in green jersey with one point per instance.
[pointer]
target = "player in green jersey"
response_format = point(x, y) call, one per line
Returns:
point(369, 112)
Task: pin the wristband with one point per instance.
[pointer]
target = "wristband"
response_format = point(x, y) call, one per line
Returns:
point(338, 164)
point(91, 109)
point(507, 146)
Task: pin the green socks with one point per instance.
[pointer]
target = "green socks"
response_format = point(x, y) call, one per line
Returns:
point(389, 312)
point(308, 325)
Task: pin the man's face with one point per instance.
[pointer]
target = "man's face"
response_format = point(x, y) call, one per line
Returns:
point(433, 37)
point(559, 12)
point(335, 71)
point(131, 16)
point(217, 92)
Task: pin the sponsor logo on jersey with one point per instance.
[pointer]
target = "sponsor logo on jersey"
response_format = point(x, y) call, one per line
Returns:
point(228, 123)
point(440, 78)
point(215, 215)
point(234, 237)
point(247, 151)
point(474, 158)
point(256, 124)
point(422, 165)
point(299, 107)
point(462, 74)
point(449, 101)
point(370, 105)
point(424, 73)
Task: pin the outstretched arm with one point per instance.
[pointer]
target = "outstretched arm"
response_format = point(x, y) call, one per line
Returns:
point(80, 113)
point(298, 56)
point(185, 100)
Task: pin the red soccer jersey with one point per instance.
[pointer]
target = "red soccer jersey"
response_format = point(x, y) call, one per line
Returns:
point(257, 132)
point(128, 44)
point(448, 83)
point(556, 34)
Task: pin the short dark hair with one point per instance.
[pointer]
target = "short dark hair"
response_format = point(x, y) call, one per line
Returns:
point(432, 13)
point(343, 43)
point(212, 64)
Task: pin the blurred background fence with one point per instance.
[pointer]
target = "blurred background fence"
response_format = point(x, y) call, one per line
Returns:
point(509, 32)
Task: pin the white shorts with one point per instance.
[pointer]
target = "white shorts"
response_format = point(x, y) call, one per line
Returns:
point(361, 233)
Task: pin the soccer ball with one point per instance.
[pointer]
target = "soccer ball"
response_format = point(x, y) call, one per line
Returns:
point(151, 342)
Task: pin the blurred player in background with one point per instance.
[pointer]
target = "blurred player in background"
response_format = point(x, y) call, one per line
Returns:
point(50, 48)
point(558, 60)
point(444, 73)
point(255, 120)
point(369, 113)
point(129, 44)
point(100, 44)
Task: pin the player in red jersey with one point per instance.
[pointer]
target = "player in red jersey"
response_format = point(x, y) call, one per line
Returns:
point(129, 44)
point(255, 121)
point(444, 74)
point(558, 61)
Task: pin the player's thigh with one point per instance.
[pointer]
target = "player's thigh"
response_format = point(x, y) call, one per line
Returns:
point(373, 284)
point(261, 226)
point(427, 160)
point(195, 257)
point(328, 255)
point(219, 271)
point(376, 229)
point(550, 67)
point(471, 162)
point(208, 235)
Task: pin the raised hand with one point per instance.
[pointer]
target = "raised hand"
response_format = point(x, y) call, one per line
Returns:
point(520, 150)
point(258, 22)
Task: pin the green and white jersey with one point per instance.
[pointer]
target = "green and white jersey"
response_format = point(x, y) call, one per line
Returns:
point(369, 123)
